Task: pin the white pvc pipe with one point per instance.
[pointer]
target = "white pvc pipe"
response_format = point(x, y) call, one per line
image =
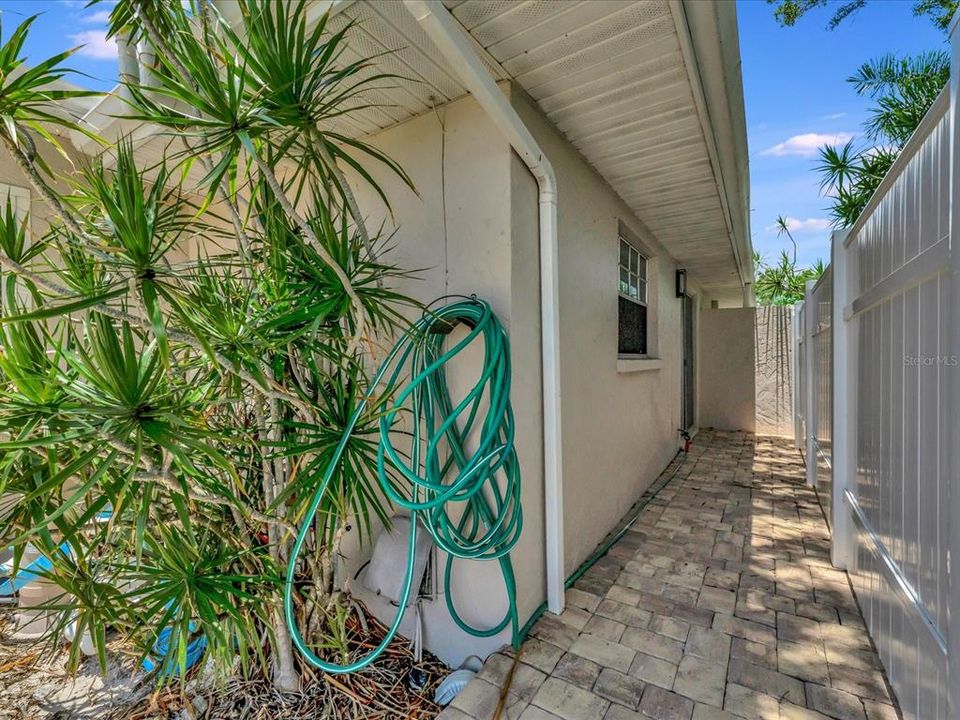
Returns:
point(450, 40)
point(129, 67)
point(147, 61)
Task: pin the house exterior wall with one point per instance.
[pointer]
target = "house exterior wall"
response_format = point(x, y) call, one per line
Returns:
point(474, 228)
point(464, 235)
point(727, 381)
point(619, 428)
point(12, 175)
point(455, 232)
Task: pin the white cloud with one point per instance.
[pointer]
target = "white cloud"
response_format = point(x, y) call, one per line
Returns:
point(97, 18)
point(796, 225)
point(807, 144)
point(834, 116)
point(95, 44)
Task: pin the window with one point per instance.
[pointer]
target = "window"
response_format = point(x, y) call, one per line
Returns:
point(632, 300)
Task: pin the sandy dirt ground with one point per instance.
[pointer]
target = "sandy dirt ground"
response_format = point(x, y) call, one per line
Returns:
point(37, 684)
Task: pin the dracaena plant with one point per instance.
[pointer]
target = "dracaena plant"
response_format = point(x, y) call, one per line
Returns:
point(184, 340)
point(903, 90)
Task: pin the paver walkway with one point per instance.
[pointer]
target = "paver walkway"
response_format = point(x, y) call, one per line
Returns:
point(720, 603)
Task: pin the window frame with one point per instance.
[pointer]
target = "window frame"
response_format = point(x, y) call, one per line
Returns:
point(641, 274)
point(644, 278)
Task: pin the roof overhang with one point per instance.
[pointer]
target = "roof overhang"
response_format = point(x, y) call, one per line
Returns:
point(649, 92)
point(716, 52)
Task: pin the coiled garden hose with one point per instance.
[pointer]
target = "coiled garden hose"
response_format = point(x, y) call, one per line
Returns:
point(467, 498)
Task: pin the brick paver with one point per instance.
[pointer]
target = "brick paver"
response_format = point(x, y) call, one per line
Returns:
point(719, 603)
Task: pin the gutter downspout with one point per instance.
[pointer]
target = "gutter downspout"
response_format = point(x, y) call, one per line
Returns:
point(129, 65)
point(147, 60)
point(450, 40)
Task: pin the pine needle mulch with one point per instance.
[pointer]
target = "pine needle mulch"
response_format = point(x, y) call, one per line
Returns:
point(379, 692)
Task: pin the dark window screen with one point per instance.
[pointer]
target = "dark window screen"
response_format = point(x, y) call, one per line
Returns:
point(633, 328)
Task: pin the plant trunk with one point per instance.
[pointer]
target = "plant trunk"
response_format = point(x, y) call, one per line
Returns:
point(285, 677)
point(284, 671)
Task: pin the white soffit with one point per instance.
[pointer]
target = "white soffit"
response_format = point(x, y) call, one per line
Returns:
point(613, 75)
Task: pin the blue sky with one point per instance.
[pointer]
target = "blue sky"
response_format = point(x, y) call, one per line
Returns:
point(794, 85)
point(64, 24)
point(797, 98)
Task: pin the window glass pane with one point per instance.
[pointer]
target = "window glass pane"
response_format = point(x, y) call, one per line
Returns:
point(633, 328)
point(632, 279)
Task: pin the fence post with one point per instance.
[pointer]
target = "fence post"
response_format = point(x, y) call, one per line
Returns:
point(846, 282)
point(953, 382)
point(794, 374)
point(801, 378)
point(809, 382)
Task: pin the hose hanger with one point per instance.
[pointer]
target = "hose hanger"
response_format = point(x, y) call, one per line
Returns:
point(468, 500)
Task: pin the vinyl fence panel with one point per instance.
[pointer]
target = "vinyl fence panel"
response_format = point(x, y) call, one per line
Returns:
point(799, 375)
point(884, 480)
point(821, 378)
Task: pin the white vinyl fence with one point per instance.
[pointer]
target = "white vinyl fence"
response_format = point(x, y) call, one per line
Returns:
point(879, 412)
point(799, 376)
point(819, 389)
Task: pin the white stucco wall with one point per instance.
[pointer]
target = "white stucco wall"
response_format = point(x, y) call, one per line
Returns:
point(727, 380)
point(11, 174)
point(460, 233)
point(619, 429)
point(474, 228)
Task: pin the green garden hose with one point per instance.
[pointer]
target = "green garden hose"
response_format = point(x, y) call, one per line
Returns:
point(467, 499)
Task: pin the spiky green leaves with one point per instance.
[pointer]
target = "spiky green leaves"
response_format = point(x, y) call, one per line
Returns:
point(193, 583)
point(276, 85)
point(904, 89)
point(788, 12)
point(136, 222)
point(782, 283)
point(177, 359)
point(32, 96)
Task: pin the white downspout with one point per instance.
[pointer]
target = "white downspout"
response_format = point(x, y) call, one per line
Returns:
point(148, 62)
point(446, 34)
point(129, 66)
